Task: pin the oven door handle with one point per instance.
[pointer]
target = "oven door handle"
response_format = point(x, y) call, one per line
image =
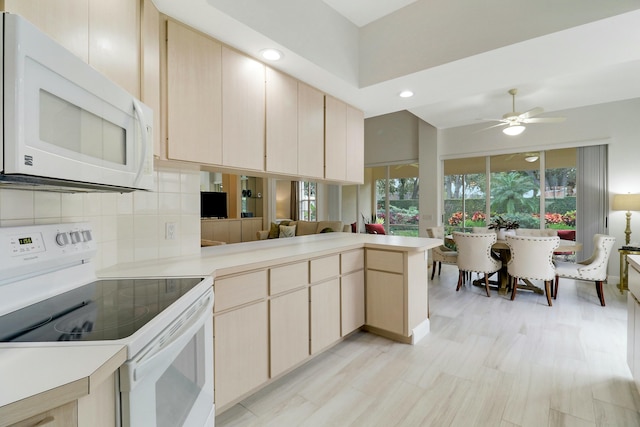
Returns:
point(166, 352)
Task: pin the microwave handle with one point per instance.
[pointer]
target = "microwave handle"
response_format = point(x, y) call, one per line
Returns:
point(143, 126)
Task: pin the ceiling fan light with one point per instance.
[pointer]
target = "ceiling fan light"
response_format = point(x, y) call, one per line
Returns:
point(513, 130)
point(531, 159)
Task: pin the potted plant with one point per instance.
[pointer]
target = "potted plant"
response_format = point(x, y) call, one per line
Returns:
point(503, 226)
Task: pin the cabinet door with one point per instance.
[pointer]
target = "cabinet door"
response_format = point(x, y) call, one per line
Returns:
point(150, 90)
point(194, 100)
point(325, 314)
point(243, 122)
point(385, 297)
point(62, 416)
point(241, 351)
point(289, 330)
point(235, 231)
point(114, 41)
point(282, 123)
point(335, 139)
point(355, 145)
point(631, 332)
point(352, 301)
point(310, 131)
point(67, 22)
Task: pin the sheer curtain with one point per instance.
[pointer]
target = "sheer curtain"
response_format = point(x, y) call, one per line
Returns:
point(592, 196)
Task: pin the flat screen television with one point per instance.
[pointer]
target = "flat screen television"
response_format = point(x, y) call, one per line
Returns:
point(213, 204)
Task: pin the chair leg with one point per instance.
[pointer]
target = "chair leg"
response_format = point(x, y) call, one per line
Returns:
point(460, 277)
point(547, 291)
point(555, 288)
point(600, 292)
point(433, 269)
point(486, 284)
point(514, 287)
point(439, 268)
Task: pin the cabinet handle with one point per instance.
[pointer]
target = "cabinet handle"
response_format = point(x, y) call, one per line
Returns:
point(45, 420)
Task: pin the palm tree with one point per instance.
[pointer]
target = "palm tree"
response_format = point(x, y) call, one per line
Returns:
point(508, 190)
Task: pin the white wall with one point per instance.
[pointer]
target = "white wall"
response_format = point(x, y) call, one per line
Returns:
point(127, 227)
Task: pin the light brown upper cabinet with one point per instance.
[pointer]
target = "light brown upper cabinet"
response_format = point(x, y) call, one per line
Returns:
point(243, 121)
point(66, 22)
point(194, 96)
point(282, 123)
point(335, 139)
point(344, 142)
point(355, 145)
point(150, 90)
point(310, 131)
point(114, 41)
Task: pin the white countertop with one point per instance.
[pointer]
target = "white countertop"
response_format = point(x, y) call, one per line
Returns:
point(50, 373)
point(237, 257)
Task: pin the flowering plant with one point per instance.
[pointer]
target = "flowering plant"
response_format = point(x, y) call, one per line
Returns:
point(499, 222)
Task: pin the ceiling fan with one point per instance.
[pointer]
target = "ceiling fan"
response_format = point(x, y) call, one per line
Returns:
point(515, 121)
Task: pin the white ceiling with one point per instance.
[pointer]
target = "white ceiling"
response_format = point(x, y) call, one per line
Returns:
point(459, 57)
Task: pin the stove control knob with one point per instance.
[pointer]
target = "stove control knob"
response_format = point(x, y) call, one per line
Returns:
point(62, 239)
point(75, 237)
point(86, 235)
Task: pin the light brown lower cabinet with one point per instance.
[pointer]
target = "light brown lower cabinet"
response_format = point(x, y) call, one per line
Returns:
point(325, 314)
point(241, 351)
point(352, 302)
point(289, 330)
point(62, 416)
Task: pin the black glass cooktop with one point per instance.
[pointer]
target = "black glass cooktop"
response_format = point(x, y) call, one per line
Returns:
point(101, 310)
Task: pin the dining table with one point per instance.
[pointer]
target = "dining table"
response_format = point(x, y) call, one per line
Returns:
point(501, 250)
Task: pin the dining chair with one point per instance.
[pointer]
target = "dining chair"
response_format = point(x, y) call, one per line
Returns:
point(474, 255)
point(480, 230)
point(532, 259)
point(592, 269)
point(536, 232)
point(440, 254)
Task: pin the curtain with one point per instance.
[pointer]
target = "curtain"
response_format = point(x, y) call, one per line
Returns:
point(295, 191)
point(592, 196)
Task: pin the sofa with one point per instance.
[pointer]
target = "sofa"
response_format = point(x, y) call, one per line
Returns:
point(301, 228)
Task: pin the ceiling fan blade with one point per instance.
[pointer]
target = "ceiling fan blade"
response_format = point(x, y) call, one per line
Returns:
point(531, 113)
point(490, 127)
point(545, 120)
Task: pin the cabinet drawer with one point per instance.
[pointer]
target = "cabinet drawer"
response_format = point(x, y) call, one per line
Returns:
point(351, 261)
point(288, 277)
point(325, 268)
point(385, 261)
point(238, 290)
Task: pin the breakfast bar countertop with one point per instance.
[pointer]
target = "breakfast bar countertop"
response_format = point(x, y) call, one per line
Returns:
point(237, 257)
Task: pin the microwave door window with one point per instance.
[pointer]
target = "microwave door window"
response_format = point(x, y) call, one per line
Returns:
point(72, 128)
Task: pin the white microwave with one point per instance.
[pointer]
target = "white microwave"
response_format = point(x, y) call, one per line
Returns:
point(66, 126)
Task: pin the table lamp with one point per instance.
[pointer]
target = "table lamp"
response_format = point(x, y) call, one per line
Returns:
point(627, 202)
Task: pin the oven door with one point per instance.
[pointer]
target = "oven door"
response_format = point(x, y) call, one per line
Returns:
point(170, 382)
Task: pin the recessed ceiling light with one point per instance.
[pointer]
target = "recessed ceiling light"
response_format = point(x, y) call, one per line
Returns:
point(271, 54)
point(406, 94)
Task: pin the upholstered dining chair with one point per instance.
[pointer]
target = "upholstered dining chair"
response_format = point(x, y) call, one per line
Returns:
point(474, 255)
point(592, 269)
point(441, 254)
point(532, 259)
point(536, 232)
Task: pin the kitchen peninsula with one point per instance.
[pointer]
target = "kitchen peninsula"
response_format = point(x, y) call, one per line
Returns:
point(280, 302)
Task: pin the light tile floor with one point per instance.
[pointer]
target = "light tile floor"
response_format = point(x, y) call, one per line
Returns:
point(486, 362)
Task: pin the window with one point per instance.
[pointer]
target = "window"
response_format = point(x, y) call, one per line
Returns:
point(522, 187)
point(396, 198)
point(307, 201)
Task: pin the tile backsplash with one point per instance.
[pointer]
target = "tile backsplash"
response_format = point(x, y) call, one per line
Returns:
point(128, 227)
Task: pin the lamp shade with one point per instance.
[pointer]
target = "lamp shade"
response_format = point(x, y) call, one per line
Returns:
point(626, 202)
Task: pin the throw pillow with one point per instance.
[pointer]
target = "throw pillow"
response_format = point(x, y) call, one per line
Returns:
point(374, 228)
point(353, 227)
point(274, 231)
point(327, 230)
point(287, 231)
